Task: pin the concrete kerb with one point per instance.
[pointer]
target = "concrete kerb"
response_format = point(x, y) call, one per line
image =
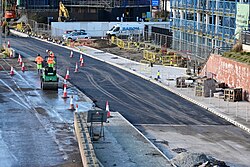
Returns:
point(19, 33)
point(160, 84)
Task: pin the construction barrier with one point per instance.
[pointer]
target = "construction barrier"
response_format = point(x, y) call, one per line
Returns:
point(120, 43)
point(172, 59)
point(151, 53)
point(151, 56)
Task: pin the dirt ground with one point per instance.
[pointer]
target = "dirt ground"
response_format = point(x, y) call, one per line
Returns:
point(105, 46)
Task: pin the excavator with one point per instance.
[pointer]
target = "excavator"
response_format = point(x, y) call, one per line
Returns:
point(9, 9)
point(63, 13)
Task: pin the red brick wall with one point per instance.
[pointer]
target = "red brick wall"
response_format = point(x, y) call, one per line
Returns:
point(235, 74)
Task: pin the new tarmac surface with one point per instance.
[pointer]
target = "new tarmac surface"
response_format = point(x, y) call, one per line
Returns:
point(138, 100)
point(147, 105)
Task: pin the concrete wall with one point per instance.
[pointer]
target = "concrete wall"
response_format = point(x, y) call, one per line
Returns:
point(235, 74)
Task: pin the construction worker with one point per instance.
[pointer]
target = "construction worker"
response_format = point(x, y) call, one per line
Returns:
point(39, 62)
point(50, 53)
point(171, 62)
point(158, 74)
point(51, 62)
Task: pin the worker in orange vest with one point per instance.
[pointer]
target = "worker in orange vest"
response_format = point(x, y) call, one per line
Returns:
point(51, 62)
point(50, 53)
point(39, 62)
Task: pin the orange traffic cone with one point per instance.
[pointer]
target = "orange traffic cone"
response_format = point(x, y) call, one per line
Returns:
point(107, 109)
point(76, 69)
point(71, 54)
point(82, 63)
point(11, 71)
point(20, 61)
point(67, 74)
point(76, 108)
point(19, 58)
point(65, 95)
point(23, 67)
point(65, 83)
point(71, 107)
point(8, 43)
point(81, 58)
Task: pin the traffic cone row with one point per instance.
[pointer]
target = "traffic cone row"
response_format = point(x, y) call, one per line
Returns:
point(67, 77)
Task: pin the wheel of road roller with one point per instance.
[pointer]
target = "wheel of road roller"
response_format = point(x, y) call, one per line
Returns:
point(49, 85)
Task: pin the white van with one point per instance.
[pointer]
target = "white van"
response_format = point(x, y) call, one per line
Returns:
point(126, 29)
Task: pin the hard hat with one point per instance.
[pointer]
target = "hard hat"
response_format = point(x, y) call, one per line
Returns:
point(38, 54)
point(47, 51)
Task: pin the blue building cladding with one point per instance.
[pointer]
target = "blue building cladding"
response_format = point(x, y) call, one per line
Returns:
point(203, 23)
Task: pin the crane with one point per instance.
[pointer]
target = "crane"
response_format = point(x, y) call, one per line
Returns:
point(63, 13)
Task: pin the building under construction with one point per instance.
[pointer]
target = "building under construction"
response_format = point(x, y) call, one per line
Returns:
point(89, 10)
point(200, 25)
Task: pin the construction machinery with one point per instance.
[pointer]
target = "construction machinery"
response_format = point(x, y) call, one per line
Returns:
point(49, 78)
point(9, 7)
point(63, 13)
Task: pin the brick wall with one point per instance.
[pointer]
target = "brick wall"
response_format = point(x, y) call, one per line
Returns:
point(235, 74)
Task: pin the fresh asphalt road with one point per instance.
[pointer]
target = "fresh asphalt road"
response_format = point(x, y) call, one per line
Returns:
point(138, 100)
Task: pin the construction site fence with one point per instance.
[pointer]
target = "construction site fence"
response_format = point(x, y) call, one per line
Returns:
point(40, 28)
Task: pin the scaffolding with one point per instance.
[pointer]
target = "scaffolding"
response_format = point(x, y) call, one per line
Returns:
point(200, 25)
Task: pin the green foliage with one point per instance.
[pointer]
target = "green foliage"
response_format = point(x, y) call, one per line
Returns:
point(243, 57)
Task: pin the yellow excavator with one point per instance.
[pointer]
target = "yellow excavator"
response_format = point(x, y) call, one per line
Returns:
point(63, 13)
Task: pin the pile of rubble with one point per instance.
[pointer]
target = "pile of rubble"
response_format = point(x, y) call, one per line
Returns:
point(186, 159)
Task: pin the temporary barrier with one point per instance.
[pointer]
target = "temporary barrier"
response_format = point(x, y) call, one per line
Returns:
point(120, 43)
